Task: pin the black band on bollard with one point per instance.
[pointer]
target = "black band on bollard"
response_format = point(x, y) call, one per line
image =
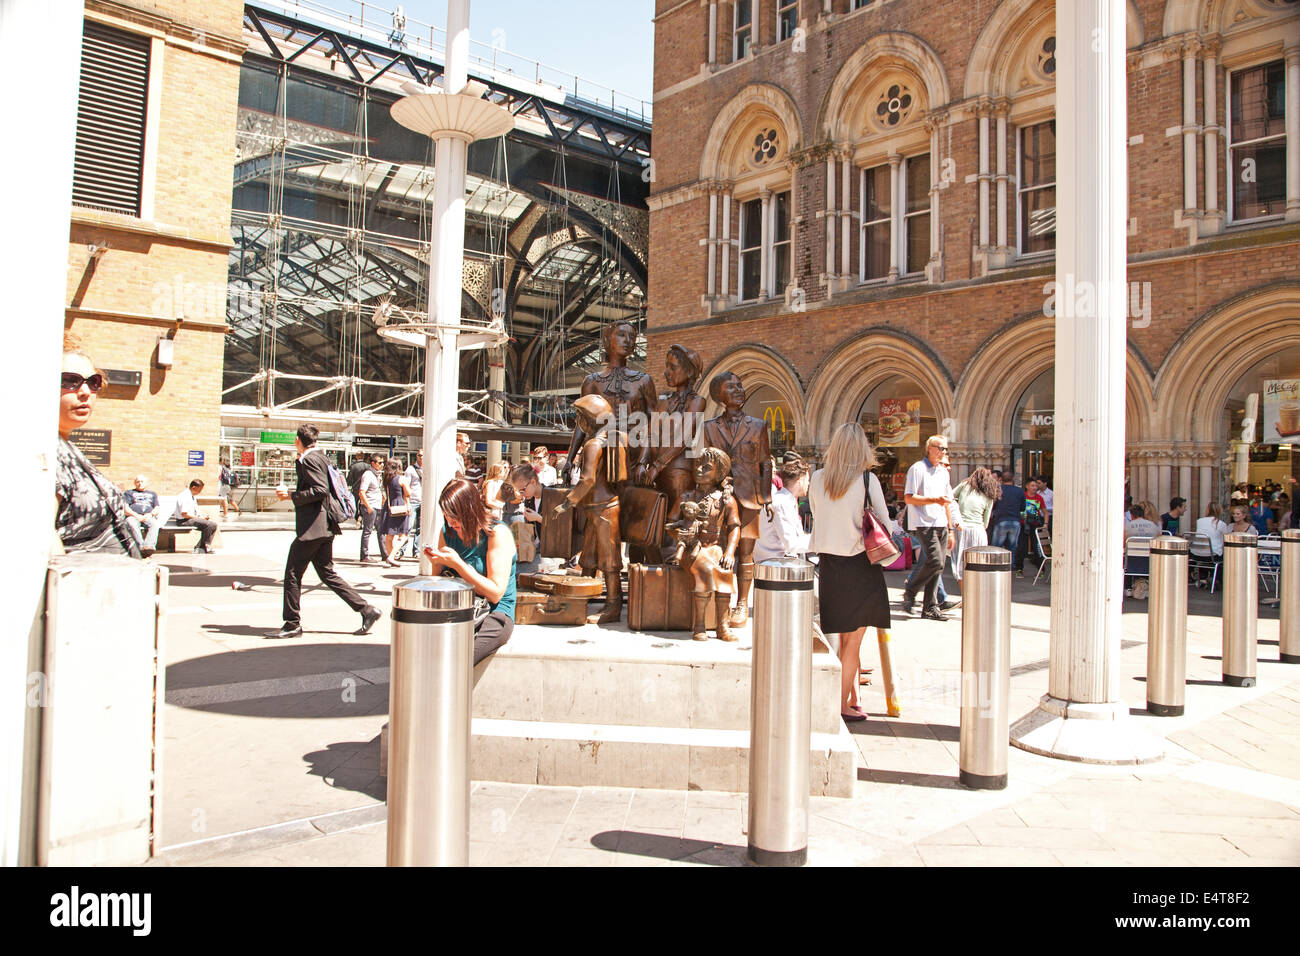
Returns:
point(1228, 544)
point(778, 857)
point(1164, 710)
point(783, 585)
point(1005, 568)
point(406, 615)
point(982, 781)
point(1238, 681)
point(1289, 658)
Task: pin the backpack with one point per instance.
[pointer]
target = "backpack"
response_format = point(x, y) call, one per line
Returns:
point(344, 502)
point(1033, 515)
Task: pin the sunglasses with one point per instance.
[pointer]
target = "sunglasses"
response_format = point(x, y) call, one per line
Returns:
point(72, 382)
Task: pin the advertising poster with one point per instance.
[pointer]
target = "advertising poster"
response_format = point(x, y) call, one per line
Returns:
point(1281, 411)
point(899, 423)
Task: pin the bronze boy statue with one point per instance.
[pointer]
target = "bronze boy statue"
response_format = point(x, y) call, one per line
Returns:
point(708, 531)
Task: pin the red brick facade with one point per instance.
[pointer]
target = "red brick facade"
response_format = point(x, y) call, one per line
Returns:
point(966, 325)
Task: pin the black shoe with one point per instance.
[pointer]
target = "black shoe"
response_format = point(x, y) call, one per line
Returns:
point(934, 614)
point(286, 631)
point(369, 615)
point(949, 605)
point(198, 551)
point(909, 603)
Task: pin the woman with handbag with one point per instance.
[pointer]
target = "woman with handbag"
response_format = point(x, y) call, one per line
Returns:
point(847, 501)
point(395, 517)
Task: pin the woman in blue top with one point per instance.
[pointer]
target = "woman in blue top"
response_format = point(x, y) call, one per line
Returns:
point(480, 554)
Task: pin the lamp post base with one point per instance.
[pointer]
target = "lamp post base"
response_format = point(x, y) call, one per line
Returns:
point(1087, 733)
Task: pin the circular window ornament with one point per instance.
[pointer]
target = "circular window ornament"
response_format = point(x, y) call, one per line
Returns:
point(1047, 57)
point(895, 106)
point(765, 146)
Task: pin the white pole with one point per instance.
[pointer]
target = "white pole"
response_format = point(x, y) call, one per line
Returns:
point(1084, 716)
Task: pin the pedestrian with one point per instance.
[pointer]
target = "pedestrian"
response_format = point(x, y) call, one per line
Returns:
point(90, 512)
point(783, 533)
point(226, 483)
point(928, 494)
point(316, 520)
point(370, 498)
point(414, 481)
point(482, 554)
point(188, 514)
point(546, 473)
point(145, 509)
point(975, 498)
point(1033, 517)
point(520, 517)
point(395, 515)
point(1007, 510)
point(1169, 521)
point(852, 594)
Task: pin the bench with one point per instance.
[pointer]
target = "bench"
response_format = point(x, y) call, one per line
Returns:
point(171, 533)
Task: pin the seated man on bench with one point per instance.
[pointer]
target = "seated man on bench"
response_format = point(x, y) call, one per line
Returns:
point(189, 516)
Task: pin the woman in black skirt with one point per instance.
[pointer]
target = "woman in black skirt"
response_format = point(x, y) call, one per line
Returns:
point(852, 595)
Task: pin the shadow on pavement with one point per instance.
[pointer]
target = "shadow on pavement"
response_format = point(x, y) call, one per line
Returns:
point(909, 779)
point(298, 681)
point(353, 765)
point(896, 728)
point(664, 847)
point(201, 580)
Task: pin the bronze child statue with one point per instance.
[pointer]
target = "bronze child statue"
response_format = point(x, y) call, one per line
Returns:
point(619, 385)
point(604, 465)
point(708, 531)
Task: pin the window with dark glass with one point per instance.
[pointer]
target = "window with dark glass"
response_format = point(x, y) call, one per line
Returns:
point(877, 216)
point(751, 248)
point(112, 100)
point(742, 29)
point(916, 216)
point(787, 18)
point(1257, 141)
point(780, 243)
point(1038, 188)
point(859, 4)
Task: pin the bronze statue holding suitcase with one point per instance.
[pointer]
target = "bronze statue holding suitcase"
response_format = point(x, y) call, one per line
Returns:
point(619, 385)
point(707, 530)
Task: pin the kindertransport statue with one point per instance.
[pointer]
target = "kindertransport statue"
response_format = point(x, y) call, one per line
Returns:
point(620, 386)
point(663, 463)
point(707, 530)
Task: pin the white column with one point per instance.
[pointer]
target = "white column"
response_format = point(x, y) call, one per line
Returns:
point(846, 215)
point(1211, 124)
point(1189, 126)
point(1002, 177)
point(830, 219)
point(726, 246)
point(496, 408)
point(894, 212)
point(934, 192)
point(38, 252)
point(1151, 487)
point(1084, 716)
point(1293, 131)
point(765, 248)
point(1206, 490)
point(1186, 522)
point(713, 32)
point(1166, 489)
point(1134, 477)
point(713, 239)
point(984, 178)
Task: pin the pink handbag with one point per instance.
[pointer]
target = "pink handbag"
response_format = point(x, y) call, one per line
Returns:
point(880, 546)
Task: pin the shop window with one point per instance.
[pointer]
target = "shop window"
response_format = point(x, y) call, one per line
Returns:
point(859, 4)
point(1037, 191)
point(916, 215)
point(742, 29)
point(787, 18)
point(1257, 142)
point(877, 223)
point(751, 248)
point(112, 101)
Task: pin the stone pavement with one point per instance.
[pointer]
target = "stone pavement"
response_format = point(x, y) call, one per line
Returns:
point(271, 752)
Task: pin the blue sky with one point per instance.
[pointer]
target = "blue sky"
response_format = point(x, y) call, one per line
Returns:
point(609, 42)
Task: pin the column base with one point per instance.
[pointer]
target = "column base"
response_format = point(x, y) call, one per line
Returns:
point(1233, 681)
point(1164, 710)
point(1088, 733)
point(778, 857)
point(982, 781)
point(1289, 658)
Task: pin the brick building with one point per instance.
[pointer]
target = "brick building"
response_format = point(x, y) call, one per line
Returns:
point(853, 206)
point(149, 240)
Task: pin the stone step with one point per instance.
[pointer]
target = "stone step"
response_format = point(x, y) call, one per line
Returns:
point(667, 758)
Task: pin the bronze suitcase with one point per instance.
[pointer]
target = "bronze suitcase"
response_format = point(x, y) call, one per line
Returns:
point(533, 607)
point(641, 515)
point(557, 533)
point(660, 598)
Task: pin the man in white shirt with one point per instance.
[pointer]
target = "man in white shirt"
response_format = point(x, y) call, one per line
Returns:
point(928, 494)
point(783, 533)
point(368, 501)
point(546, 473)
point(1047, 495)
point(1140, 526)
point(187, 513)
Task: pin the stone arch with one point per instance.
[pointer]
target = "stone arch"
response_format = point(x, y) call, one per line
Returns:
point(849, 372)
point(1007, 29)
point(1214, 16)
point(1008, 362)
point(843, 117)
point(759, 365)
point(1195, 378)
point(756, 104)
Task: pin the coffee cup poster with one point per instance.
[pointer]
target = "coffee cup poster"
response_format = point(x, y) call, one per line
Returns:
point(900, 422)
point(1281, 411)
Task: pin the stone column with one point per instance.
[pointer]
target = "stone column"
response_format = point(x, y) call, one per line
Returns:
point(1151, 487)
point(984, 176)
point(1206, 490)
point(895, 212)
point(712, 55)
point(726, 247)
point(1166, 490)
point(1213, 218)
point(1002, 177)
point(830, 223)
point(765, 247)
point(713, 238)
point(846, 215)
point(1293, 131)
point(1189, 126)
point(496, 407)
point(935, 125)
point(1185, 523)
point(1083, 715)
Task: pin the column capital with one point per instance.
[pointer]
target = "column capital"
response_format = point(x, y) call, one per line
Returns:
point(1189, 47)
point(1001, 107)
point(895, 159)
point(1292, 52)
point(1211, 46)
point(983, 106)
point(935, 120)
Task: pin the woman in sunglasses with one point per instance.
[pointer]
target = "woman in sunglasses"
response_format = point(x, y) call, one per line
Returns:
point(91, 513)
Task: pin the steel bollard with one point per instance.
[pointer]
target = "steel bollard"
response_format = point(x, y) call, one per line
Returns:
point(985, 668)
point(429, 723)
point(1289, 590)
point(1167, 628)
point(780, 712)
point(1240, 608)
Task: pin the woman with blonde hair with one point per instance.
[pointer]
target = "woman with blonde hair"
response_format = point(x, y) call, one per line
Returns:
point(492, 482)
point(852, 594)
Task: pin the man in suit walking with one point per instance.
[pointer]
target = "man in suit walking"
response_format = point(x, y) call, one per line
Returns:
point(316, 523)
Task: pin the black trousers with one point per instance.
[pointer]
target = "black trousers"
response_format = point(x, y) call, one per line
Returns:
point(492, 632)
point(369, 519)
point(205, 528)
point(319, 553)
point(935, 542)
